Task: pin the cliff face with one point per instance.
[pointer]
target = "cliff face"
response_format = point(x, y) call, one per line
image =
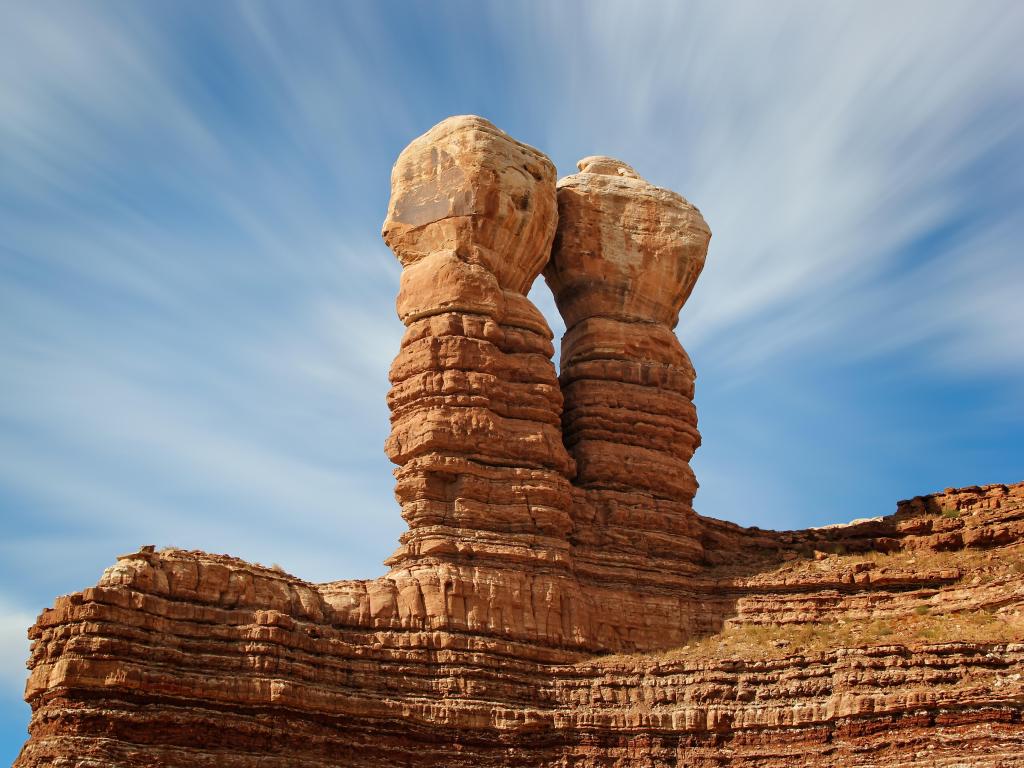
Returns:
point(556, 600)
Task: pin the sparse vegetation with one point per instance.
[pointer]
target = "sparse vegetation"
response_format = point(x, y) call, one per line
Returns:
point(915, 622)
point(761, 641)
point(919, 624)
point(878, 629)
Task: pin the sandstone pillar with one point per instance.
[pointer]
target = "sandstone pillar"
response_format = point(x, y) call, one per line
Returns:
point(625, 258)
point(475, 402)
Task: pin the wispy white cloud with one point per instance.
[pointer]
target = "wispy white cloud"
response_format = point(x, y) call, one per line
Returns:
point(14, 644)
point(820, 142)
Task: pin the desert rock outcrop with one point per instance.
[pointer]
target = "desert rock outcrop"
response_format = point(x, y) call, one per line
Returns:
point(475, 403)
point(626, 257)
point(556, 600)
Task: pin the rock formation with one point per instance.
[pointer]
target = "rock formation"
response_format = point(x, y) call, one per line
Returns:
point(475, 404)
point(626, 258)
point(556, 601)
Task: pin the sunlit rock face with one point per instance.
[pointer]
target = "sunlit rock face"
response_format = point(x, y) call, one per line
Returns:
point(555, 601)
point(626, 257)
point(475, 403)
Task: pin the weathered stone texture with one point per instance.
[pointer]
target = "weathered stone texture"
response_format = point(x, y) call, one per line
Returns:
point(626, 256)
point(556, 601)
point(187, 659)
point(475, 404)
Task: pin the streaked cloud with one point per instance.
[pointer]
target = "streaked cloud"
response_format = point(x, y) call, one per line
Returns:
point(14, 626)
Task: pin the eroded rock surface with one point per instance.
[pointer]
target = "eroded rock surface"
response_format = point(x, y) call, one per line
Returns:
point(626, 257)
point(475, 403)
point(556, 601)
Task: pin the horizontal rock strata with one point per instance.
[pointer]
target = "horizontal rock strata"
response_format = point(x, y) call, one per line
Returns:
point(475, 402)
point(626, 256)
point(556, 601)
point(187, 659)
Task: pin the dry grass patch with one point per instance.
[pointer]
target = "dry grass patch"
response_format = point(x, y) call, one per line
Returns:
point(764, 641)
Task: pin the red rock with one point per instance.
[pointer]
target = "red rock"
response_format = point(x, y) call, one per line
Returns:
point(885, 641)
point(475, 401)
point(626, 257)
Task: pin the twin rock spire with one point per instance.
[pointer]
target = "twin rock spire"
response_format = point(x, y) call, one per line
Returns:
point(549, 521)
point(500, 460)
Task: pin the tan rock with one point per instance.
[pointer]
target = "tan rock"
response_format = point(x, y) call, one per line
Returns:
point(471, 218)
point(626, 257)
point(626, 249)
point(889, 641)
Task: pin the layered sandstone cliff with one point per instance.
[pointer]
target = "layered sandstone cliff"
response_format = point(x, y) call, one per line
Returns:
point(556, 601)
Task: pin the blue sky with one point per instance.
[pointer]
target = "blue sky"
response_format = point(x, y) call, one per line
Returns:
point(197, 311)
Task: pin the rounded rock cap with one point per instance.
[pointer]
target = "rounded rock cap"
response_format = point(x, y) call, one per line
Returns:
point(607, 166)
point(625, 248)
point(468, 187)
